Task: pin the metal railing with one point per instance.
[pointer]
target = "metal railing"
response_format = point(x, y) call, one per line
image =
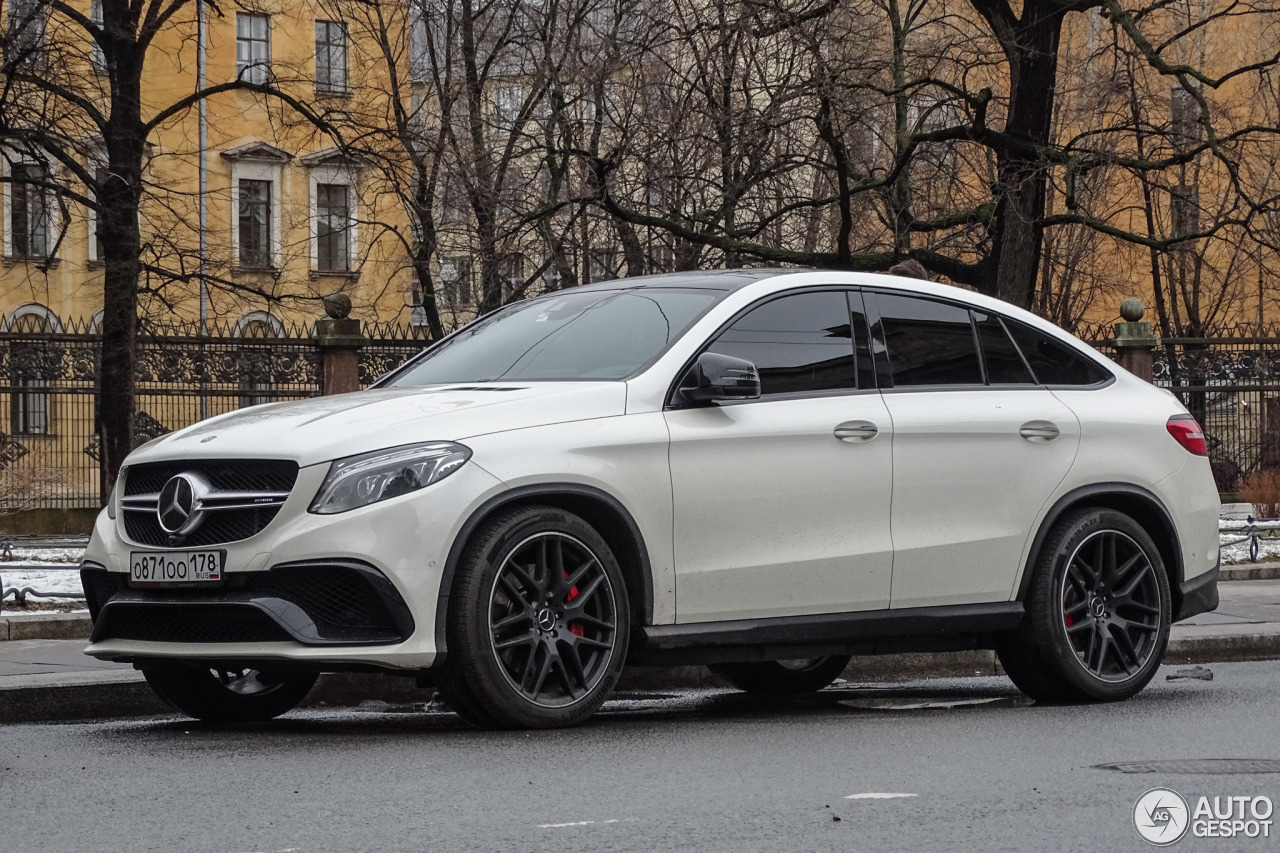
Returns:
point(49, 453)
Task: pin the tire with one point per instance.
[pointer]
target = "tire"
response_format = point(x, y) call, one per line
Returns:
point(783, 677)
point(1097, 612)
point(537, 623)
point(230, 696)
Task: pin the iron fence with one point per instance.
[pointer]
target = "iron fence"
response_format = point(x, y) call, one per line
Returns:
point(1232, 385)
point(49, 446)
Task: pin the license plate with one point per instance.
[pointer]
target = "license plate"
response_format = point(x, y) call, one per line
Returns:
point(173, 568)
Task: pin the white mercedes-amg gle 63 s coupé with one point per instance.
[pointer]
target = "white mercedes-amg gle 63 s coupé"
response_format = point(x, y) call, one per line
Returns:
point(765, 471)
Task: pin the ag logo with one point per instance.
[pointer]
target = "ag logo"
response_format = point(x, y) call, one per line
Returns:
point(1161, 816)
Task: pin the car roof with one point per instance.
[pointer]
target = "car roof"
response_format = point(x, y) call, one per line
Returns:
point(695, 279)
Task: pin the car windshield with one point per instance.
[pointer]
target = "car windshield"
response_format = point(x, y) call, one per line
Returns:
point(574, 335)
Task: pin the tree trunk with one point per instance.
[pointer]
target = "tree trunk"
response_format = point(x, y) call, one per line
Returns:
point(1031, 47)
point(119, 198)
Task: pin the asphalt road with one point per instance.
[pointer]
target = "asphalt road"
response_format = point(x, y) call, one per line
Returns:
point(697, 771)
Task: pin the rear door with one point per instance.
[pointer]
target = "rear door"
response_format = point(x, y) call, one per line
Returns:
point(978, 448)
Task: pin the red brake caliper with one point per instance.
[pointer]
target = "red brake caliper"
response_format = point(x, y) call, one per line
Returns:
point(575, 627)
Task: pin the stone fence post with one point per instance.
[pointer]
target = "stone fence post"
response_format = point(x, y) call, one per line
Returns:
point(1135, 341)
point(338, 338)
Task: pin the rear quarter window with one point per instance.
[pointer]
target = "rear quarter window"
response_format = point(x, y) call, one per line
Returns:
point(1052, 361)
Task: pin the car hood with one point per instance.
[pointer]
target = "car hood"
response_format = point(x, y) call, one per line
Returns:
point(325, 428)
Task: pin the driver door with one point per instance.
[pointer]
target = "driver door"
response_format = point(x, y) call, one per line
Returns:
point(782, 503)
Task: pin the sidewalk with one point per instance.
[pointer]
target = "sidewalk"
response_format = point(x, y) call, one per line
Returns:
point(45, 676)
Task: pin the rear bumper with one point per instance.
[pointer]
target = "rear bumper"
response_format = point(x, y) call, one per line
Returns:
point(1199, 595)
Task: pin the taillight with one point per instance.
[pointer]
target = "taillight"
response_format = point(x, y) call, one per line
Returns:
point(1187, 432)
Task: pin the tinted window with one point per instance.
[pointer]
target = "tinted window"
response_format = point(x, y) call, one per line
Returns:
point(929, 343)
point(1004, 365)
point(1053, 362)
point(798, 343)
point(583, 335)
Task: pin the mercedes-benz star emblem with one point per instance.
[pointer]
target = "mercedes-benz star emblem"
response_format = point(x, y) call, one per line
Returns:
point(179, 508)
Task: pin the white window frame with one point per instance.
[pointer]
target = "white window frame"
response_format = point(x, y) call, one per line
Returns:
point(451, 278)
point(253, 70)
point(7, 161)
point(342, 87)
point(508, 100)
point(30, 404)
point(36, 39)
point(346, 176)
point(95, 162)
point(97, 59)
point(258, 316)
point(250, 170)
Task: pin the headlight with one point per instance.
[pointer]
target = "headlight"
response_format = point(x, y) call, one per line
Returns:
point(371, 477)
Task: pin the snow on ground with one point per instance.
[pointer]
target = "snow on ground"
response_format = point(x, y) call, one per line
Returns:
point(46, 555)
point(58, 572)
point(1238, 553)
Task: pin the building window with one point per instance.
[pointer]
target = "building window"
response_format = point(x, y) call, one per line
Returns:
point(95, 239)
point(333, 222)
point(26, 44)
point(512, 276)
point(455, 282)
point(253, 47)
point(31, 363)
point(257, 371)
point(254, 223)
point(602, 265)
point(507, 103)
point(331, 58)
point(29, 211)
point(97, 59)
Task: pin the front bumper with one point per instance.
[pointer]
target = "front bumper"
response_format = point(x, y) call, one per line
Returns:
point(398, 548)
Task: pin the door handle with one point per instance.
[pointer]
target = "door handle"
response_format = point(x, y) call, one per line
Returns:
point(1039, 431)
point(856, 431)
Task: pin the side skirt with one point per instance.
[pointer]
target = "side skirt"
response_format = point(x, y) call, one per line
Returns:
point(917, 629)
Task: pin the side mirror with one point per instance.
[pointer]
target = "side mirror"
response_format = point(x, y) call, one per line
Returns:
point(719, 377)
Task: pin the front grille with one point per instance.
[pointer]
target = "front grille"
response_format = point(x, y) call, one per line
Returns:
point(267, 476)
point(325, 603)
point(229, 526)
point(188, 623)
point(231, 475)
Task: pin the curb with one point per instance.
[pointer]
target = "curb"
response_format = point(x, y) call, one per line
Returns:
point(45, 626)
point(1249, 572)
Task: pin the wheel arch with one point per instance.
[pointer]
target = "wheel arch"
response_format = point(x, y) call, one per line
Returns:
point(598, 508)
point(1134, 501)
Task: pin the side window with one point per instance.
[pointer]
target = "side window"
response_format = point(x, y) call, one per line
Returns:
point(929, 343)
point(1053, 362)
point(798, 343)
point(1004, 365)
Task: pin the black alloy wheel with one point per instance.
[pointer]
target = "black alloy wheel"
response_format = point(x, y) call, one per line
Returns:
point(229, 695)
point(783, 677)
point(552, 619)
point(1097, 612)
point(1111, 605)
point(537, 625)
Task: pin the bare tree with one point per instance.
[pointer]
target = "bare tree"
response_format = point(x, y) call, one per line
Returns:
point(75, 101)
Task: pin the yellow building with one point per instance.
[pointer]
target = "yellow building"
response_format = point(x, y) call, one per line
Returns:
point(286, 217)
